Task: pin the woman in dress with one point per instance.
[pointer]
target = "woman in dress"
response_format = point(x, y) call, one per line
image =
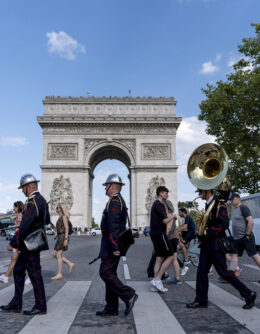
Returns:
point(18, 209)
point(62, 242)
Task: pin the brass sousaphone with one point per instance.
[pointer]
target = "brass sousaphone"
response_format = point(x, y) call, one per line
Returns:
point(207, 169)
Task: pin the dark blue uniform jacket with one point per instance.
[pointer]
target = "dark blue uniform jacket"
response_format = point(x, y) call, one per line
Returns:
point(112, 224)
point(218, 222)
point(35, 216)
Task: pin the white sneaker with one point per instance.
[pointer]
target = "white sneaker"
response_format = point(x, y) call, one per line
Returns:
point(186, 262)
point(27, 281)
point(184, 271)
point(159, 286)
point(154, 289)
point(3, 279)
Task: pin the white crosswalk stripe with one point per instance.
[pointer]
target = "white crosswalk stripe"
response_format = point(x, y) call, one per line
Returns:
point(233, 306)
point(251, 266)
point(151, 314)
point(62, 309)
point(7, 293)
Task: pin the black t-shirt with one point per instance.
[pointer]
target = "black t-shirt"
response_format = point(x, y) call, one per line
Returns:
point(191, 225)
point(158, 214)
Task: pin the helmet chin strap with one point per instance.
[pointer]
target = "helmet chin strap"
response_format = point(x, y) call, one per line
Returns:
point(108, 188)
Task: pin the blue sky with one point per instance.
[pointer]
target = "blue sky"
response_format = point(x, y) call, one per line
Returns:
point(106, 47)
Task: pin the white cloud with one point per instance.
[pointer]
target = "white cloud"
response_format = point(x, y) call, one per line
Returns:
point(232, 60)
point(208, 67)
point(13, 141)
point(8, 195)
point(218, 57)
point(64, 45)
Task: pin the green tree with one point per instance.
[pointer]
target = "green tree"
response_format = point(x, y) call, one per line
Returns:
point(232, 113)
point(193, 214)
point(94, 225)
point(187, 204)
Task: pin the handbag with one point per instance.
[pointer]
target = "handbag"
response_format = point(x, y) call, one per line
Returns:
point(125, 239)
point(37, 240)
point(228, 243)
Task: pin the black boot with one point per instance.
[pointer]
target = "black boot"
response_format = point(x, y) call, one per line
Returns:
point(106, 313)
point(131, 304)
point(11, 308)
point(196, 304)
point(250, 301)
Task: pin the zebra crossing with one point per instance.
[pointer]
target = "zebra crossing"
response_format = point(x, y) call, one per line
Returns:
point(62, 309)
point(151, 313)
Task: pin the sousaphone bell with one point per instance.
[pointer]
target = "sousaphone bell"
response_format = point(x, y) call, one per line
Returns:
point(207, 169)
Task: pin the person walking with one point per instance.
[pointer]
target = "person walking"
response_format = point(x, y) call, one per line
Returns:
point(160, 223)
point(112, 224)
point(187, 231)
point(35, 216)
point(18, 209)
point(242, 230)
point(62, 242)
point(212, 253)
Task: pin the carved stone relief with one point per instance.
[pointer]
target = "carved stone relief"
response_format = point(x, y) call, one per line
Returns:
point(151, 191)
point(156, 151)
point(130, 144)
point(89, 143)
point(62, 151)
point(61, 193)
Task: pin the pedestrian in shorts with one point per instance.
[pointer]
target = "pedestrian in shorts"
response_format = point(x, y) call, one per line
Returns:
point(242, 229)
point(158, 233)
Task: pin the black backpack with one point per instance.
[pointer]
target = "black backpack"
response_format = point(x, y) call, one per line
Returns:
point(70, 227)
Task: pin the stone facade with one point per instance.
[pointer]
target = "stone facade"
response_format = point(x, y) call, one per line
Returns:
point(79, 133)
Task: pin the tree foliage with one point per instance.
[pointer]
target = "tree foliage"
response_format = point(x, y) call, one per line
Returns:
point(232, 113)
point(94, 225)
point(187, 204)
point(193, 214)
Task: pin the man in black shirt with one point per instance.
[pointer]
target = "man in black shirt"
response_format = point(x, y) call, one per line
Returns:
point(158, 232)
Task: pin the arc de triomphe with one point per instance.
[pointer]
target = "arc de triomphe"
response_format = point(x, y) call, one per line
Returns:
point(79, 133)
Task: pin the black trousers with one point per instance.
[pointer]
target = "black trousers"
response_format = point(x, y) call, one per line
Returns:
point(115, 289)
point(31, 263)
point(217, 258)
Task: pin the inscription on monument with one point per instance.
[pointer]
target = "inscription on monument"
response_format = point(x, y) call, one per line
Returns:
point(156, 151)
point(62, 151)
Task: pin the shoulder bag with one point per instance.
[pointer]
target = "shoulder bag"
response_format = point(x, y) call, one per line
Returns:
point(125, 239)
point(37, 240)
point(228, 243)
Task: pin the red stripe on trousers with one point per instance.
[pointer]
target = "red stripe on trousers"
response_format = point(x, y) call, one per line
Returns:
point(36, 281)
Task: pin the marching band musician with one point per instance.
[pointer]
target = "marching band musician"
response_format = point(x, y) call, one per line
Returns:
point(212, 254)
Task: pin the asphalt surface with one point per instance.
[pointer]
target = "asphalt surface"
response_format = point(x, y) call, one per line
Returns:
point(217, 318)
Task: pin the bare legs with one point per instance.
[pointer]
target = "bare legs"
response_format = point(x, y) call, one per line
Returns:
point(61, 259)
point(176, 266)
point(14, 258)
point(184, 250)
point(161, 266)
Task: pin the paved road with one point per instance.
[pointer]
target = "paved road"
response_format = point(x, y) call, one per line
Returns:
point(73, 301)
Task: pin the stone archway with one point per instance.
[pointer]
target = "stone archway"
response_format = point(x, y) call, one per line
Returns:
point(99, 152)
point(78, 133)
